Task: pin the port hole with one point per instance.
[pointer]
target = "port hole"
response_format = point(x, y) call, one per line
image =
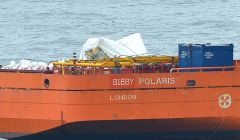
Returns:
point(191, 83)
point(46, 83)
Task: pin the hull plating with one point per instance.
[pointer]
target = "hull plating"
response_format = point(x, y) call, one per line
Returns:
point(132, 105)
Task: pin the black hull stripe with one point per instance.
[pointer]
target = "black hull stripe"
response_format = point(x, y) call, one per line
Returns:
point(227, 135)
point(135, 130)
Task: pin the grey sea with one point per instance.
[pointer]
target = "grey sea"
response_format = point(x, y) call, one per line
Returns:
point(45, 30)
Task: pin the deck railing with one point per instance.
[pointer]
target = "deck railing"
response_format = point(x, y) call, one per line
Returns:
point(203, 69)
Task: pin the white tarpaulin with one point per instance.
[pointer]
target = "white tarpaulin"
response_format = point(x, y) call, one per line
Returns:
point(98, 48)
point(28, 65)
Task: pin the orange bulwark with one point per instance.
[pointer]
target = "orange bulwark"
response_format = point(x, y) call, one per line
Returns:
point(136, 105)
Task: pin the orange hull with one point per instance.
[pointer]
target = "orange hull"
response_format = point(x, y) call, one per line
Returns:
point(153, 102)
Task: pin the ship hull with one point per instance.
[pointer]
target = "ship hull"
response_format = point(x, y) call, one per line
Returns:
point(124, 106)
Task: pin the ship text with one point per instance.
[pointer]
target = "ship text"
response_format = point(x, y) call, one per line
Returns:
point(157, 81)
point(122, 81)
point(123, 97)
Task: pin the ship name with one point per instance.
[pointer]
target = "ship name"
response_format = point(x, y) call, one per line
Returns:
point(123, 97)
point(122, 81)
point(157, 81)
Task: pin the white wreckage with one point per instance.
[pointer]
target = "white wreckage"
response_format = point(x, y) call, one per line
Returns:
point(28, 65)
point(100, 48)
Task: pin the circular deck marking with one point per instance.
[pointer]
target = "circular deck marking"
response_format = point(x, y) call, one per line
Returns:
point(224, 101)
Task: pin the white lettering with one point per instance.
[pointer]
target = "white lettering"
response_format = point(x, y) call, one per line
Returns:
point(172, 80)
point(122, 81)
point(159, 81)
point(141, 80)
point(147, 81)
point(131, 81)
point(144, 81)
point(111, 98)
point(123, 97)
point(164, 80)
point(152, 83)
point(155, 81)
point(114, 82)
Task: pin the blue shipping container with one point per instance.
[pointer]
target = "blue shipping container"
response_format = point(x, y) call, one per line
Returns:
point(205, 55)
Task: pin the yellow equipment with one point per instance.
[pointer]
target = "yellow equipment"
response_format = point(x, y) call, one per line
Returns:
point(112, 62)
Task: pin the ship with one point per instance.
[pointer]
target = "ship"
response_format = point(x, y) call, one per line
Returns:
point(194, 95)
